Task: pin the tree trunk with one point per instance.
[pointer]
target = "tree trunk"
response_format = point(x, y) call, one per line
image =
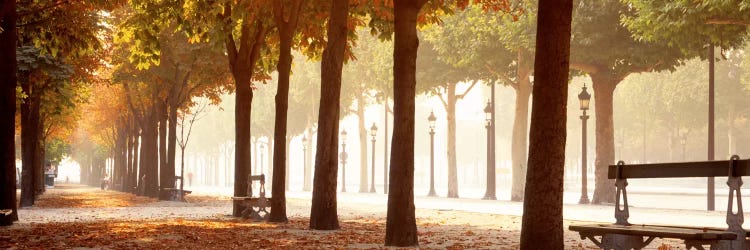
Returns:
point(166, 175)
point(604, 84)
point(307, 158)
point(450, 111)
point(8, 108)
point(242, 63)
point(520, 135)
point(362, 128)
point(287, 29)
point(542, 226)
point(323, 214)
point(29, 141)
point(172, 140)
point(149, 154)
point(401, 223)
point(136, 166)
point(38, 162)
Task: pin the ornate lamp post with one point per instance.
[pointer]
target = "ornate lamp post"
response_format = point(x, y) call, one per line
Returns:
point(490, 192)
point(373, 133)
point(262, 149)
point(304, 157)
point(343, 157)
point(431, 119)
point(683, 142)
point(584, 97)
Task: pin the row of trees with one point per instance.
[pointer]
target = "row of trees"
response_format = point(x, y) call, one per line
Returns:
point(255, 36)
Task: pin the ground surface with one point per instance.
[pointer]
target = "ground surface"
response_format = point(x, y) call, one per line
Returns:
point(82, 217)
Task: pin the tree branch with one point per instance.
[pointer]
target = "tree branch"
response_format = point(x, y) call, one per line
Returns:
point(585, 67)
point(461, 96)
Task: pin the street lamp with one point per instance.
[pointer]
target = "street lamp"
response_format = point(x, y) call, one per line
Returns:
point(490, 192)
point(431, 119)
point(304, 158)
point(584, 97)
point(262, 147)
point(373, 133)
point(683, 142)
point(343, 157)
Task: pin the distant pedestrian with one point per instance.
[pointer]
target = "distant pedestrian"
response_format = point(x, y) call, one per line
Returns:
point(190, 178)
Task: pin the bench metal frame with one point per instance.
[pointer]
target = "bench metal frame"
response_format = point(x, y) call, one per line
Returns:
point(733, 169)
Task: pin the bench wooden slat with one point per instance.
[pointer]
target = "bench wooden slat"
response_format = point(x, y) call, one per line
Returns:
point(685, 233)
point(680, 169)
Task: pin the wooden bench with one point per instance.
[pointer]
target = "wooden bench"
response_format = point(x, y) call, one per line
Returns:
point(623, 235)
point(255, 207)
point(5, 217)
point(176, 194)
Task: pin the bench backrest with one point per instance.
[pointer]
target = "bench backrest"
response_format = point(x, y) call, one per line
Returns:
point(259, 178)
point(680, 169)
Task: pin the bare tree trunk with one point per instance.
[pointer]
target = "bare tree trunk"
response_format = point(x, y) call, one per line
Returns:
point(242, 63)
point(452, 161)
point(8, 108)
point(323, 214)
point(166, 175)
point(172, 141)
point(362, 128)
point(604, 84)
point(401, 223)
point(38, 162)
point(287, 140)
point(287, 28)
point(542, 226)
point(149, 154)
point(520, 135)
point(29, 141)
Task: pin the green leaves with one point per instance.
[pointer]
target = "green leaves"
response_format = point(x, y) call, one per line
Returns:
point(690, 25)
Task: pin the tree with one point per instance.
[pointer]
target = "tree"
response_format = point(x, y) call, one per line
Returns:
point(690, 26)
point(620, 55)
point(401, 224)
point(8, 37)
point(323, 214)
point(542, 218)
point(189, 117)
point(496, 47)
point(441, 79)
point(286, 16)
point(364, 80)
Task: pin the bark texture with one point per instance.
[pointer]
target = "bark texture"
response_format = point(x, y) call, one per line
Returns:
point(604, 84)
point(29, 141)
point(323, 214)
point(401, 224)
point(287, 29)
point(8, 107)
point(542, 226)
point(450, 109)
point(362, 128)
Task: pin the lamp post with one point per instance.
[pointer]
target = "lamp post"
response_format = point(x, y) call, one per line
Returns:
point(490, 192)
point(584, 97)
point(343, 157)
point(431, 119)
point(683, 142)
point(262, 149)
point(304, 156)
point(373, 133)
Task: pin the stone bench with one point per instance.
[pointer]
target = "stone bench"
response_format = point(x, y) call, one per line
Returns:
point(258, 207)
